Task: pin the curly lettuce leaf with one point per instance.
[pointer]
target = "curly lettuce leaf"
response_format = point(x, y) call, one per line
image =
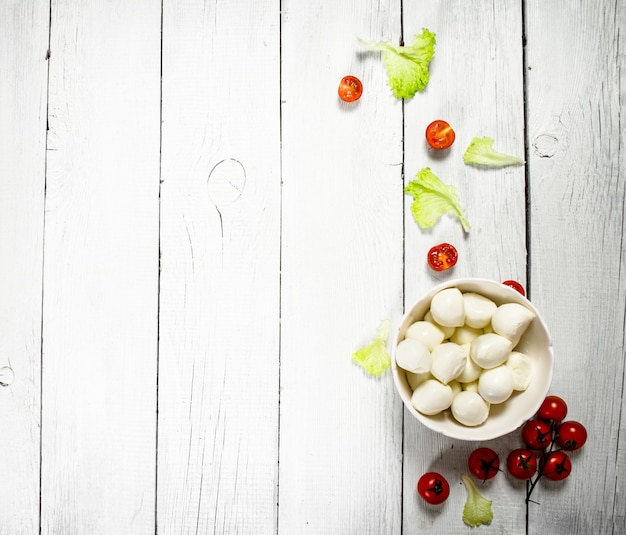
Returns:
point(481, 152)
point(374, 357)
point(477, 508)
point(407, 66)
point(432, 199)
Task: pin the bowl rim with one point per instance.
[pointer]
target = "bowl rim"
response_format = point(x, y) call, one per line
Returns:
point(459, 431)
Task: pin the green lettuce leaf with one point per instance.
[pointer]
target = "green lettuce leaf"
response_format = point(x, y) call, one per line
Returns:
point(481, 152)
point(432, 199)
point(407, 66)
point(374, 357)
point(477, 508)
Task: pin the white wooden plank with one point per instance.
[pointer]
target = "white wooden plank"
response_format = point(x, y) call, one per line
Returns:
point(476, 85)
point(101, 269)
point(340, 429)
point(23, 45)
point(577, 161)
point(220, 242)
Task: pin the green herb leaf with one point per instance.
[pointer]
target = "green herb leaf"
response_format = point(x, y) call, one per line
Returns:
point(407, 66)
point(432, 199)
point(481, 152)
point(374, 357)
point(477, 508)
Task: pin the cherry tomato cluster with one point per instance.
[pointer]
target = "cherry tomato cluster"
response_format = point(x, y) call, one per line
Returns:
point(542, 435)
point(547, 439)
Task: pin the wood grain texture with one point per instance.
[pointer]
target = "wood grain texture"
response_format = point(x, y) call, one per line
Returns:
point(101, 269)
point(577, 162)
point(340, 429)
point(476, 85)
point(23, 45)
point(220, 246)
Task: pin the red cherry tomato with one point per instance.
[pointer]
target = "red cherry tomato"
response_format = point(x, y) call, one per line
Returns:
point(553, 409)
point(521, 464)
point(571, 435)
point(439, 135)
point(483, 463)
point(433, 488)
point(442, 256)
point(556, 466)
point(537, 434)
point(515, 285)
point(350, 89)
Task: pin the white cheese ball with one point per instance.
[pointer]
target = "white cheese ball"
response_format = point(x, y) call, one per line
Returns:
point(522, 369)
point(490, 350)
point(413, 356)
point(447, 331)
point(416, 379)
point(447, 308)
point(456, 387)
point(496, 385)
point(426, 332)
point(471, 371)
point(470, 387)
point(511, 321)
point(468, 408)
point(478, 310)
point(465, 335)
point(448, 361)
point(431, 397)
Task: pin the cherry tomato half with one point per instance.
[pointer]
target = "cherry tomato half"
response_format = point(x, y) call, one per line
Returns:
point(442, 256)
point(521, 464)
point(439, 135)
point(433, 488)
point(483, 463)
point(515, 285)
point(553, 409)
point(556, 466)
point(537, 434)
point(350, 89)
point(571, 435)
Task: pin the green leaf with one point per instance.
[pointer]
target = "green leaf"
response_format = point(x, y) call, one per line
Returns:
point(374, 357)
point(432, 199)
point(477, 508)
point(481, 152)
point(407, 66)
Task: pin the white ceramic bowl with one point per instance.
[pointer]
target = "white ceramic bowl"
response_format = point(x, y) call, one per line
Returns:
point(521, 406)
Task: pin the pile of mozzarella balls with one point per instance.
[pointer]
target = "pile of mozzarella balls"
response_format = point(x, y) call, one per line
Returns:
point(462, 355)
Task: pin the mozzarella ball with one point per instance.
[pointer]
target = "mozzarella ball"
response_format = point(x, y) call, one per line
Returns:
point(511, 321)
point(465, 335)
point(478, 310)
point(496, 385)
point(469, 408)
point(522, 369)
point(471, 371)
point(490, 350)
point(447, 308)
point(413, 356)
point(470, 387)
point(447, 331)
point(456, 387)
point(426, 332)
point(431, 397)
point(448, 361)
point(416, 379)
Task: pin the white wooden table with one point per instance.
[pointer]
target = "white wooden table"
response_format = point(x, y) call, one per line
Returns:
point(196, 234)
